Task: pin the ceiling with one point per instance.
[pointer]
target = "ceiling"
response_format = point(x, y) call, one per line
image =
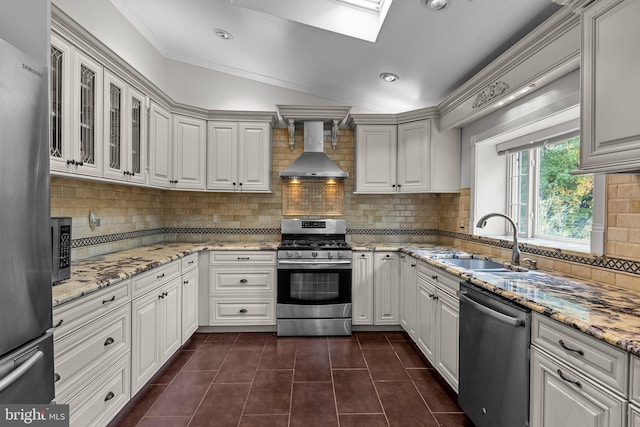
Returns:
point(433, 52)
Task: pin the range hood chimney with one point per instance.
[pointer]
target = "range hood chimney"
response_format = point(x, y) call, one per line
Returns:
point(313, 163)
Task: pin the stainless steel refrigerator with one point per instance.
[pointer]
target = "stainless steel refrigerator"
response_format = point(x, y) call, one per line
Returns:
point(26, 340)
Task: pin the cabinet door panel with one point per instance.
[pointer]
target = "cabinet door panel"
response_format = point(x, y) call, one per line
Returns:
point(136, 136)
point(362, 288)
point(426, 319)
point(114, 129)
point(408, 277)
point(254, 171)
point(386, 287)
point(222, 156)
point(160, 148)
point(60, 147)
point(413, 156)
point(171, 313)
point(189, 159)
point(189, 304)
point(448, 317)
point(611, 86)
point(376, 154)
point(561, 402)
point(145, 324)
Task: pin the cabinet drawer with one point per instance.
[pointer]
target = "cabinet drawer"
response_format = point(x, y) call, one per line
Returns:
point(78, 356)
point(146, 281)
point(250, 280)
point(242, 257)
point(189, 262)
point(440, 278)
point(70, 316)
point(252, 311)
point(101, 400)
point(582, 352)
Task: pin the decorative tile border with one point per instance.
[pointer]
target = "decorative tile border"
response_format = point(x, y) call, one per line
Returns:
point(616, 264)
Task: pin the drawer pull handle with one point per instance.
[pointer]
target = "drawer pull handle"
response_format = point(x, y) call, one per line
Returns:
point(161, 296)
point(109, 396)
point(580, 352)
point(113, 298)
point(434, 277)
point(191, 262)
point(160, 276)
point(109, 341)
point(59, 323)
point(186, 282)
point(243, 258)
point(243, 310)
point(243, 281)
point(56, 377)
point(413, 265)
point(576, 383)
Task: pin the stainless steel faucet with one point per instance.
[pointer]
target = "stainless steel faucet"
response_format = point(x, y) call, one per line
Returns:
point(515, 255)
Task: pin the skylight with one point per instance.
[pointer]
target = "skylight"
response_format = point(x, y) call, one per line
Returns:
point(361, 19)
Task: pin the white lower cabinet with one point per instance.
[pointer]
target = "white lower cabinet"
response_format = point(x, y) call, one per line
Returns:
point(386, 286)
point(92, 344)
point(156, 330)
point(563, 397)
point(438, 315)
point(189, 303)
point(408, 294)
point(242, 288)
point(634, 416)
point(362, 288)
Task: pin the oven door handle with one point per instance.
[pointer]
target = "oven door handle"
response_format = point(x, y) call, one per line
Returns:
point(346, 261)
point(513, 321)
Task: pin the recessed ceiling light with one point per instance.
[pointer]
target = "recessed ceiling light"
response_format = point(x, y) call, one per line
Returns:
point(389, 77)
point(435, 4)
point(222, 34)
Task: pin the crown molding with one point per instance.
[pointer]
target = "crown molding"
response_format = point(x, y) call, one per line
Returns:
point(548, 52)
point(242, 116)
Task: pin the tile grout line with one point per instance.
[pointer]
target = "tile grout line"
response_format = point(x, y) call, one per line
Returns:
point(253, 380)
point(372, 381)
point(333, 384)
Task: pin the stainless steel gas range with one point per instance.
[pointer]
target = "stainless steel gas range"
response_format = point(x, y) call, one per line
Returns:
point(314, 278)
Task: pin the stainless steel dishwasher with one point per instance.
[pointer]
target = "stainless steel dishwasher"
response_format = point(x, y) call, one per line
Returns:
point(494, 359)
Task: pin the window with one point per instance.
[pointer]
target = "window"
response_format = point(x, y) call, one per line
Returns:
point(544, 198)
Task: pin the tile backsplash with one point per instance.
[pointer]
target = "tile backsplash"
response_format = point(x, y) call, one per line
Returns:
point(142, 215)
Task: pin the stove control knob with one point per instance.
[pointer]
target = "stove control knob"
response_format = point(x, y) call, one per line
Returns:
point(289, 254)
point(340, 254)
point(299, 254)
point(330, 255)
point(314, 254)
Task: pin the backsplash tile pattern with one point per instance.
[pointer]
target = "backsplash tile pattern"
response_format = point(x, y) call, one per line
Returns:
point(132, 216)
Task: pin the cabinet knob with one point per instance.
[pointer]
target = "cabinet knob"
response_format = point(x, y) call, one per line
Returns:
point(233, 183)
point(80, 163)
point(160, 296)
point(413, 265)
point(243, 281)
point(434, 277)
point(186, 282)
point(399, 185)
point(56, 377)
point(59, 323)
point(363, 255)
point(109, 341)
point(243, 310)
point(393, 185)
point(388, 255)
point(71, 162)
point(109, 396)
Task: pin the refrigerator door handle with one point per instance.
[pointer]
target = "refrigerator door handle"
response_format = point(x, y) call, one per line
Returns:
point(20, 370)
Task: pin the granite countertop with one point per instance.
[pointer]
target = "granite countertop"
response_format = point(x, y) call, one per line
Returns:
point(605, 312)
point(92, 274)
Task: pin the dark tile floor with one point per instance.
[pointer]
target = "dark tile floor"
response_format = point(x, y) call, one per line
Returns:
point(257, 379)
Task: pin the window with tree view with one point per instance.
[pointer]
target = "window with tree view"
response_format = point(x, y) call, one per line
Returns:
point(545, 199)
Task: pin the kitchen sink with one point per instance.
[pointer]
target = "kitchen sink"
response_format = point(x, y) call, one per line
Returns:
point(475, 264)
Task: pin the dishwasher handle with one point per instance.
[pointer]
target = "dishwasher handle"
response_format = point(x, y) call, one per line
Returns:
point(513, 321)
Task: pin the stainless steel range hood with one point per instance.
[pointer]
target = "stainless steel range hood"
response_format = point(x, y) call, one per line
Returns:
point(313, 163)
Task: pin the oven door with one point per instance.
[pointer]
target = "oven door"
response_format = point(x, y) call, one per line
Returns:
point(305, 286)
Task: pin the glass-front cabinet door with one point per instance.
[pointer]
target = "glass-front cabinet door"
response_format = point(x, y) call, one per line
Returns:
point(76, 110)
point(124, 130)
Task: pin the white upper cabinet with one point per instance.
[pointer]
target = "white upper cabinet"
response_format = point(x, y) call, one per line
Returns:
point(177, 147)
point(610, 129)
point(160, 148)
point(76, 115)
point(239, 156)
point(376, 154)
point(189, 153)
point(409, 158)
point(124, 131)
